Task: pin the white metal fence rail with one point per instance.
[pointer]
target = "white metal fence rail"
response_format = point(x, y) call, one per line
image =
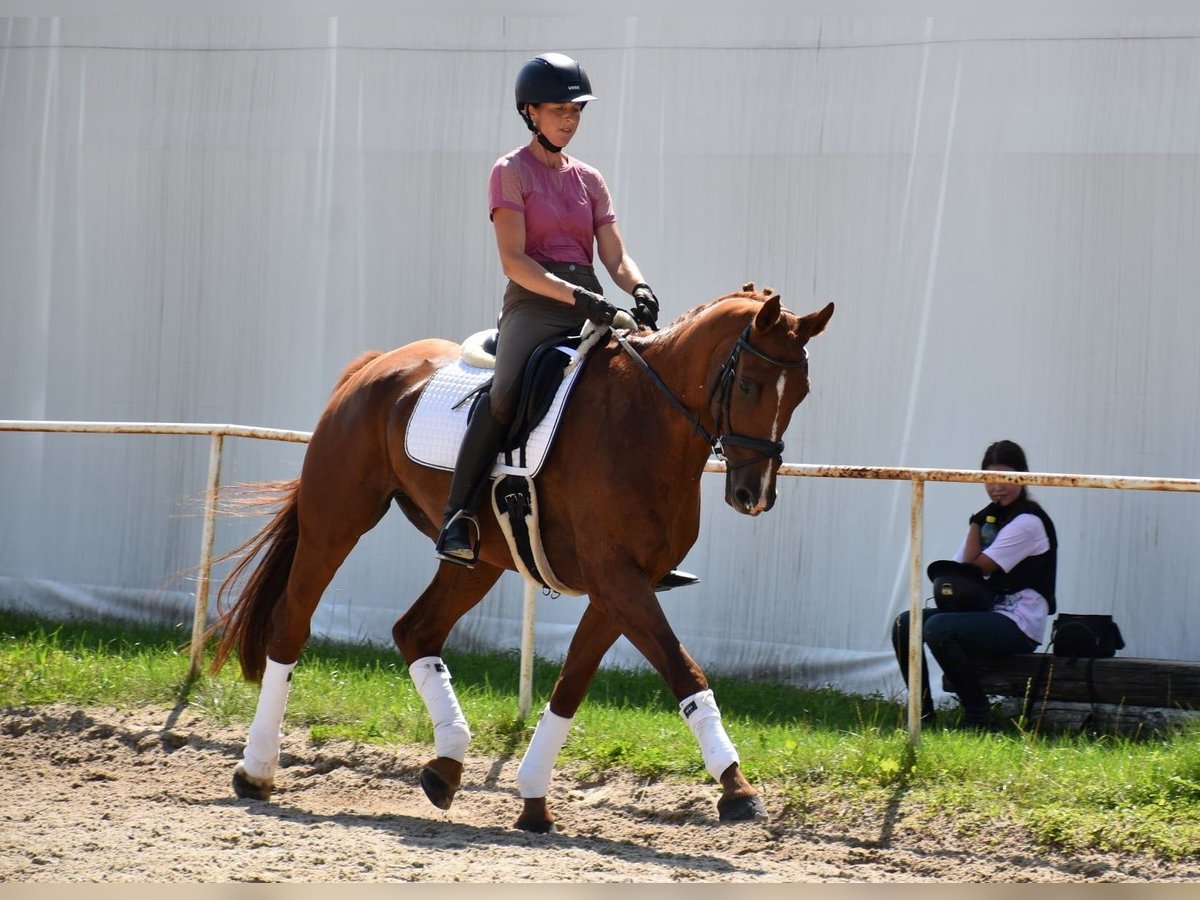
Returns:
point(217, 435)
point(916, 477)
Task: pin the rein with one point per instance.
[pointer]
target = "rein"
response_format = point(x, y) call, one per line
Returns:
point(724, 382)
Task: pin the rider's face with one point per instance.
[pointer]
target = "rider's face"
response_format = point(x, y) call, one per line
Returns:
point(557, 121)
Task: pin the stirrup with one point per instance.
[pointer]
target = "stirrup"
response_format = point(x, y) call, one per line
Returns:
point(675, 579)
point(464, 556)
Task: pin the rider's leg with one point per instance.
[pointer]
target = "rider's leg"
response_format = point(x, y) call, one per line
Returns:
point(476, 456)
point(526, 322)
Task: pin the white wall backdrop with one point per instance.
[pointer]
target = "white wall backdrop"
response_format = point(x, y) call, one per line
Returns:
point(205, 220)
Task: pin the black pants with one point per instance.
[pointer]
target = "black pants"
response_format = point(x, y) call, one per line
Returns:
point(526, 321)
point(954, 638)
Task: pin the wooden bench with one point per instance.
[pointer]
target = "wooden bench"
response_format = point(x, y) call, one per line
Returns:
point(1126, 694)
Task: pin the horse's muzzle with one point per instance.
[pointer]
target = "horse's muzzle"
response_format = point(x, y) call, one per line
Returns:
point(750, 495)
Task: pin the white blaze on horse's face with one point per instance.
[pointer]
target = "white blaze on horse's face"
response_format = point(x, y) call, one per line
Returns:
point(766, 492)
point(763, 411)
point(769, 380)
point(790, 389)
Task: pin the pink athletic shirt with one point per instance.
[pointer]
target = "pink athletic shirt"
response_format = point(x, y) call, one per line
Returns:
point(562, 207)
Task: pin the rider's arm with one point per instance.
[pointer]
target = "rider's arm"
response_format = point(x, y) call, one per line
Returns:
point(621, 267)
point(509, 226)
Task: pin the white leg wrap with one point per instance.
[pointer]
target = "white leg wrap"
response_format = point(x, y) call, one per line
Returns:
point(533, 775)
point(702, 716)
point(261, 755)
point(450, 732)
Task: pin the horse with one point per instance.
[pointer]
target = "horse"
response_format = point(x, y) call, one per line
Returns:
point(619, 509)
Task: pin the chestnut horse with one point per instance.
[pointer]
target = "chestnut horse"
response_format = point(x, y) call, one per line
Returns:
point(619, 508)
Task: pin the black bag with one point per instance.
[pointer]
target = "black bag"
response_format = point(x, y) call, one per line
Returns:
point(960, 587)
point(1087, 635)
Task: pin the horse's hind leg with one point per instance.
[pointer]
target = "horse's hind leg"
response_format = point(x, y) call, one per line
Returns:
point(324, 542)
point(420, 634)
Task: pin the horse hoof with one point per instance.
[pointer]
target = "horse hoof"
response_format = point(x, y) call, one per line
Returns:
point(742, 809)
point(537, 826)
point(436, 788)
point(536, 817)
point(249, 789)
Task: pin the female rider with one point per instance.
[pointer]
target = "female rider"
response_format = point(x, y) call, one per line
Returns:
point(548, 210)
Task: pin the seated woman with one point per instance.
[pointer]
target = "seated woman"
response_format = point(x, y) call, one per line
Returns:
point(1012, 540)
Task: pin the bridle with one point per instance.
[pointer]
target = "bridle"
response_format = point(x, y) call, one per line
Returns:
point(721, 437)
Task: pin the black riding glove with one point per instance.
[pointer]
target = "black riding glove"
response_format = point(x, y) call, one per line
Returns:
point(595, 307)
point(645, 311)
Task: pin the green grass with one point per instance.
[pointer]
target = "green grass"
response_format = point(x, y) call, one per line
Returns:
point(825, 753)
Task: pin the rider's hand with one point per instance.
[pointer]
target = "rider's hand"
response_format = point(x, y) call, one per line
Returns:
point(595, 307)
point(645, 310)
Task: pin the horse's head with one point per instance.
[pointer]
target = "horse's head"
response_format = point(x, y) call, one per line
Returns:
point(754, 393)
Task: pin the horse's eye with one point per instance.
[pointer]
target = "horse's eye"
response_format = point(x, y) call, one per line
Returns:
point(744, 385)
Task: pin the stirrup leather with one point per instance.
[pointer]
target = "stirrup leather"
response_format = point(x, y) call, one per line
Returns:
point(465, 556)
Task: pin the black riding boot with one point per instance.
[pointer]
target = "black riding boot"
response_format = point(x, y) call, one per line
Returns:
point(956, 663)
point(480, 445)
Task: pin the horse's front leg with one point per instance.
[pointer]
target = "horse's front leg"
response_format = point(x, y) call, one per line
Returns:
point(420, 634)
point(594, 636)
point(634, 608)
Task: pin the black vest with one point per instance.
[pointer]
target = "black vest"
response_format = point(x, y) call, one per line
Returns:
point(1035, 572)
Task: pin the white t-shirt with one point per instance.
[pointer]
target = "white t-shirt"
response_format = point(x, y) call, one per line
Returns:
point(1023, 536)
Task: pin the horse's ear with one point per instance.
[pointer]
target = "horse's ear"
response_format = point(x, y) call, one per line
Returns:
point(768, 315)
point(814, 323)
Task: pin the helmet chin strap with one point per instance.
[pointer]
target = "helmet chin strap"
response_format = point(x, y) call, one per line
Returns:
point(541, 138)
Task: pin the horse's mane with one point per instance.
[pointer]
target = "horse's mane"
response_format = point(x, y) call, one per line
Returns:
point(748, 292)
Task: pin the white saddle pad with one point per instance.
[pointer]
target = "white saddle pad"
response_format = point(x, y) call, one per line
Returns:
point(438, 424)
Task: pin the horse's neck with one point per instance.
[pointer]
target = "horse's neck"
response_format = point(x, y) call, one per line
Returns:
point(683, 358)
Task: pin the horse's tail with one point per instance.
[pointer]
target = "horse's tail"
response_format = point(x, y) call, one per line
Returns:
point(246, 624)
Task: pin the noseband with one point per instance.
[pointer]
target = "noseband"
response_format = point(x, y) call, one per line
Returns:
point(720, 437)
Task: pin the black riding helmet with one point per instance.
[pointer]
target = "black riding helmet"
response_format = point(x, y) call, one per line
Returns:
point(551, 78)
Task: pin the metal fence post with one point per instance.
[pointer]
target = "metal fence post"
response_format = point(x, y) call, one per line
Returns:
point(525, 691)
point(200, 615)
point(916, 658)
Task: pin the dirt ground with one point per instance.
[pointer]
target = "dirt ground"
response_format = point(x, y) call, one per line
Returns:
point(99, 795)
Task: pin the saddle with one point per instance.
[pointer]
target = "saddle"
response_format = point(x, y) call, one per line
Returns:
point(544, 374)
point(440, 418)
